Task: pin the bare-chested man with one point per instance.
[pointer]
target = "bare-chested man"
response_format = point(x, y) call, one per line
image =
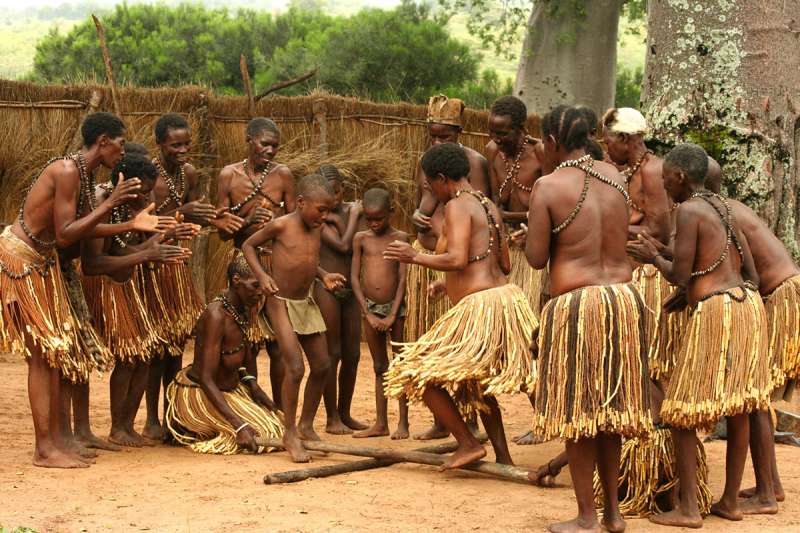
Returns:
point(577, 221)
point(256, 190)
point(486, 311)
point(216, 405)
point(722, 367)
point(340, 308)
point(292, 311)
point(444, 125)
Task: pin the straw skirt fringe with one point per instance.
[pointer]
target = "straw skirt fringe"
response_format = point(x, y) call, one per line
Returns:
point(422, 312)
point(480, 347)
point(195, 422)
point(722, 367)
point(592, 365)
point(783, 318)
point(648, 473)
point(527, 278)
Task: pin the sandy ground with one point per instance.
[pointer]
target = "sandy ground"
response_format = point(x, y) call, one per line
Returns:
point(172, 489)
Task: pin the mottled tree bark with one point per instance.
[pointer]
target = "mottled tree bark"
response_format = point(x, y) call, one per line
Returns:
point(726, 74)
point(569, 59)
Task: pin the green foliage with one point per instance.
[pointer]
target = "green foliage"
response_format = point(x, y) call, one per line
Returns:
point(481, 93)
point(629, 86)
point(20, 529)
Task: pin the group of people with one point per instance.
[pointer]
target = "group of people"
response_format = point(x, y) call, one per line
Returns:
point(630, 300)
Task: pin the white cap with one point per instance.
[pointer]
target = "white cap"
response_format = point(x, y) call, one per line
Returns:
point(625, 120)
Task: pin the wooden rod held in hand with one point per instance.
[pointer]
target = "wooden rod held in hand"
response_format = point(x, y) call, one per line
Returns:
point(509, 472)
point(302, 474)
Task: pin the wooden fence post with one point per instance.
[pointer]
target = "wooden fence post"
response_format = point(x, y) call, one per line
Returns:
point(248, 88)
point(77, 139)
point(101, 34)
point(201, 242)
point(321, 126)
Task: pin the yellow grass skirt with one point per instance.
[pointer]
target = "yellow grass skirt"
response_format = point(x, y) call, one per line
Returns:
point(120, 318)
point(722, 367)
point(783, 319)
point(527, 278)
point(592, 365)
point(648, 474)
point(666, 343)
point(422, 312)
point(480, 347)
point(195, 422)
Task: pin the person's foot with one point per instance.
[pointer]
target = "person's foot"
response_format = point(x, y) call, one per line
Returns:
point(352, 423)
point(755, 505)
point(56, 458)
point(526, 439)
point(374, 431)
point(724, 511)
point(139, 438)
point(678, 519)
point(306, 432)
point(433, 433)
point(463, 456)
point(613, 521)
point(74, 447)
point(335, 426)
point(93, 441)
point(295, 448)
point(401, 432)
point(576, 525)
point(153, 432)
point(123, 438)
point(749, 493)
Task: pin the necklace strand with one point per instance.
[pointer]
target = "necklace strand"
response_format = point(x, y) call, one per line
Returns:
point(240, 321)
point(485, 203)
point(176, 190)
point(256, 186)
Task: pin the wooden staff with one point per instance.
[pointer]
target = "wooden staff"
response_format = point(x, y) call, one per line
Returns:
point(101, 34)
point(509, 472)
point(248, 88)
point(302, 474)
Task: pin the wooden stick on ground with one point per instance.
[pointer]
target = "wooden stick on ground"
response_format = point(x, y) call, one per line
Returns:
point(302, 474)
point(509, 472)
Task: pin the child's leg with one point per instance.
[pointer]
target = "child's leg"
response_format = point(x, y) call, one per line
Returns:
point(376, 340)
point(83, 429)
point(331, 313)
point(69, 405)
point(152, 427)
point(316, 349)
point(351, 354)
point(735, 457)
point(493, 422)
point(582, 456)
point(275, 372)
point(609, 447)
point(442, 406)
point(762, 451)
point(402, 424)
point(687, 513)
point(120, 388)
point(134, 399)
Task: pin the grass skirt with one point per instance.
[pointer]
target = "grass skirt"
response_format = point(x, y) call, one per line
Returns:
point(195, 422)
point(422, 312)
point(648, 473)
point(592, 365)
point(527, 278)
point(120, 318)
point(480, 347)
point(783, 319)
point(722, 367)
point(666, 343)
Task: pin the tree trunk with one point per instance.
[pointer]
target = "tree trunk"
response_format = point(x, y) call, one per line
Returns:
point(726, 74)
point(569, 59)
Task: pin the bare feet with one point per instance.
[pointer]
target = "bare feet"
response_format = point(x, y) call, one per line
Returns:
point(57, 459)
point(678, 519)
point(123, 438)
point(353, 424)
point(374, 431)
point(434, 432)
point(614, 523)
point(749, 493)
point(576, 525)
point(525, 439)
point(400, 433)
point(93, 441)
point(74, 447)
point(153, 432)
point(463, 456)
point(306, 432)
point(754, 505)
point(295, 448)
point(337, 427)
point(723, 511)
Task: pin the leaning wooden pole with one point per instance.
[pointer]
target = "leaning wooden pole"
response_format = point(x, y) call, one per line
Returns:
point(101, 34)
point(76, 142)
point(248, 87)
point(509, 472)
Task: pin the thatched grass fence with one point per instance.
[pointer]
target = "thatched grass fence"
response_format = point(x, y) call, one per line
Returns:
point(371, 143)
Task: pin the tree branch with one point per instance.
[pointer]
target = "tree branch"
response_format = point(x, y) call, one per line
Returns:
point(288, 83)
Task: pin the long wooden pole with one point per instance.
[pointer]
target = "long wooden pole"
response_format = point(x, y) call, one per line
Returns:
point(292, 476)
point(248, 87)
point(509, 472)
point(101, 34)
point(76, 141)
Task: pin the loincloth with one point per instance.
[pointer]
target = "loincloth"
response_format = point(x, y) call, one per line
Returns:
point(195, 422)
point(35, 306)
point(648, 474)
point(383, 310)
point(422, 312)
point(783, 320)
point(722, 367)
point(120, 318)
point(304, 315)
point(592, 365)
point(480, 347)
point(533, 282)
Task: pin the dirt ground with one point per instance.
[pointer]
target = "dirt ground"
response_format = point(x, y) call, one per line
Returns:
point(172, 489)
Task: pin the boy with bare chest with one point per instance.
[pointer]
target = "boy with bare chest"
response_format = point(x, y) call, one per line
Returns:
point(291, 309)
point(379, 286)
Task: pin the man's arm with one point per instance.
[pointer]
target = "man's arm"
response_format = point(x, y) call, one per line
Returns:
point(257, 239)
point(479, 175)
point(256, 392)
point(400, 293)
point(223, 199)
point(289, 194)
point(540, 227)
point(426, 201)
point(679, 270)
point(342, 243)
point(355, 272)
point(458, 228)
point(95, 261)
point(656, 203)
point(749, 272)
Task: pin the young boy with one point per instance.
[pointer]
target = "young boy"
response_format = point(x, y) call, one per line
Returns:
point(292, 311)
point(381, 298)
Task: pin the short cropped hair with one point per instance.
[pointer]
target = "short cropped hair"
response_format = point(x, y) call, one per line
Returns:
point(691, 159)
point(169, 121)
point(377, 198)
point(239, 266)
point(260, 124)
point(136, 148)
point(134, 166)
point(101, 123)
point(447, 159)
point(313, 183)
point(513, 107)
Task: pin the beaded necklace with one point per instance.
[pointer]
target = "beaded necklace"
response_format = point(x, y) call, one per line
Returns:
point(727, 221)
point(512, 170)
point(485, 203)
point(121, 215)
point(176, 190)
point(241, 322)
point(629, 173)
point(256, 187)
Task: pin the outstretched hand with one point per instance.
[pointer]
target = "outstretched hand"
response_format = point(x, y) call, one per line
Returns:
point(333, 281)
point(147, 222)
point(645, 248)
point(246, 438)
point(420, 221)
point(400, 251)
point(519, 236)
point(199, 211)
point(124, 191)
point(166, 253)
point(226, 221)
point(436, 289)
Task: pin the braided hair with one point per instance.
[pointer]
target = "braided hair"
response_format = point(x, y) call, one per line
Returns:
point(569, 126)
point(513, 107)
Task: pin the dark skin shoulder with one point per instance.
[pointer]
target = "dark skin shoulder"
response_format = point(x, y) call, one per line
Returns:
point(647, 192)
